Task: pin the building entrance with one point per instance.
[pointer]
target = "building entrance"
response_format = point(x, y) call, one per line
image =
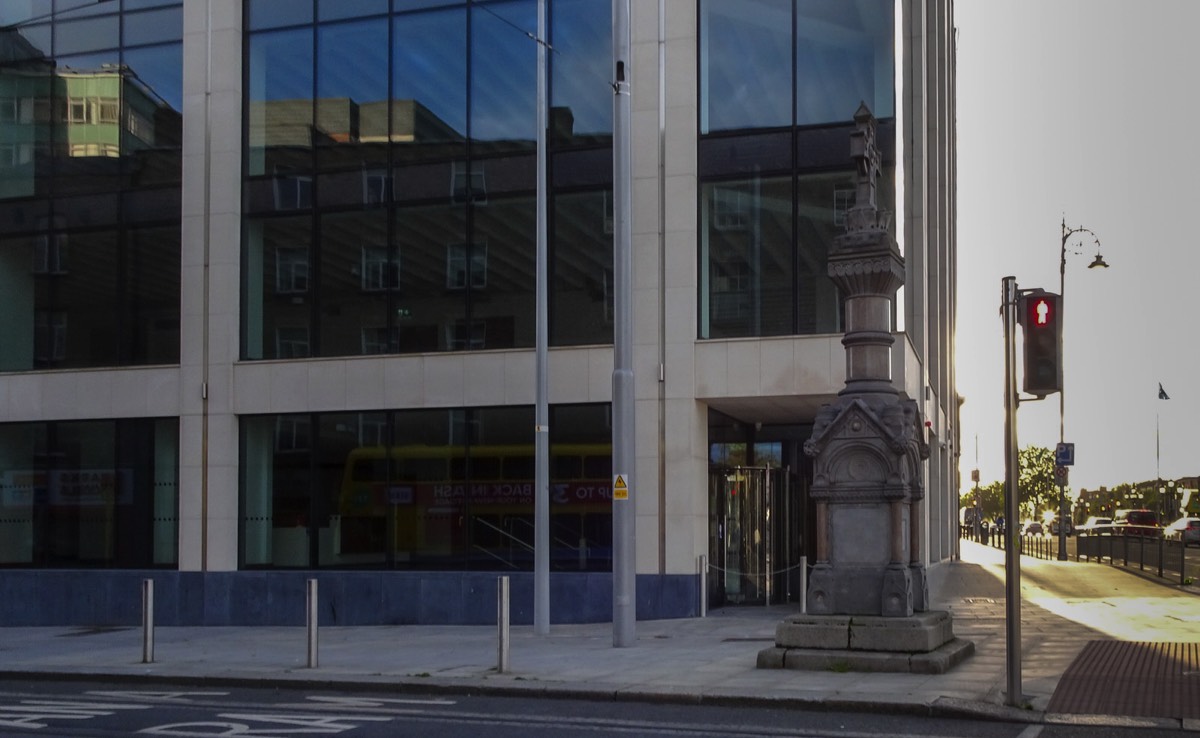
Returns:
point(755, 541)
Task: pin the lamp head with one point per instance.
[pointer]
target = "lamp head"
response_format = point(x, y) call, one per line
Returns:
point(1098, 262)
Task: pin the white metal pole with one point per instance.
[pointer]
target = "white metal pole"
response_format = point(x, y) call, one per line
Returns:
point(541, 513)
point(624, 549)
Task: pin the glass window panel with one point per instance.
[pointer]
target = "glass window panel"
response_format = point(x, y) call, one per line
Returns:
point(582, 280)
point(276, 274)
point(21, 484)
point(581, 71)
point(154, 103)
point(359, 472)
point(844, 56)
point(86, 490)
point(73, 37)
point(335, 9)
point(504, 76)
point(581, 497)
point(278, 491)
point(150, 321)
point(25, 132)
point(503, 276)
point(153, 26)
point(747, 258)
point(32, 43)
point(276, 13)
point(75, 301)
point(822, 202)
point(87, 146)
point(21, 262)
point(427, 505)
point(70, 526)
point(427, 314)
point(280, 101)
point(356, 273)
point(71, 9)
point(429, 81)
point(500, 507)
point(745, 64)
point(22, 11)
point(352, 95)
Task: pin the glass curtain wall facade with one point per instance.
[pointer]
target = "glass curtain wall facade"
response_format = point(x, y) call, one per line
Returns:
point(780, 81)
point(423, 489)
point(90, 126)
point(90, 154)
point(390, 176)
point(89, 493)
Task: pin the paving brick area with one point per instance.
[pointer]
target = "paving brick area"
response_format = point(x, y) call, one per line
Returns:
point(1140, 679)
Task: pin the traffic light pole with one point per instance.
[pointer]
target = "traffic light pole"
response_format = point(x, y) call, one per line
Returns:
point(1012, 551)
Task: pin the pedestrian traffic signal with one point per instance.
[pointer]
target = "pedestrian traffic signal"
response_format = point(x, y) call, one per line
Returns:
point(1041, 318)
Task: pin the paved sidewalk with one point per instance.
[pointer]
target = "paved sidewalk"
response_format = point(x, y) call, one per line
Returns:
point(1064, 606)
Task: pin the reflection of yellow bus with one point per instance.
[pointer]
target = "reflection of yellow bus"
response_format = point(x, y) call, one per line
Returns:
point(440, 505)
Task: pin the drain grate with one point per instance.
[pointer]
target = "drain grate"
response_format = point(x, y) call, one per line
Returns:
point(1139, 679)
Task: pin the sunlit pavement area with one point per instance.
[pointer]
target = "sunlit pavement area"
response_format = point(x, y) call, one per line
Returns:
point(1064, 606)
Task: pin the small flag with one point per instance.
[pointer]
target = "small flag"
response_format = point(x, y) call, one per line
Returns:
point(1162, 393)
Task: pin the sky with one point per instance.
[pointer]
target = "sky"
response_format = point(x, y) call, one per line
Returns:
point(1085, 110)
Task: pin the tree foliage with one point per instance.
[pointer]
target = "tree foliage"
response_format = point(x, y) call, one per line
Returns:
point(991, 499)
point(1036, 481)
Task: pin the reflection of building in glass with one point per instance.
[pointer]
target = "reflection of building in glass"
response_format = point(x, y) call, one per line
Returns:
point(308, 326)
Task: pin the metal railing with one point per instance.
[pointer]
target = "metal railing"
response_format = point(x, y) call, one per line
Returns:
point(1116, 545)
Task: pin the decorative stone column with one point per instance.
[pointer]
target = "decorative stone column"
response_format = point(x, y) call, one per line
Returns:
point(866, 594)
point(869, 445)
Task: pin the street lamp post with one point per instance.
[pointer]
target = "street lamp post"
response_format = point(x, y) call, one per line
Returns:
point(1062, 279)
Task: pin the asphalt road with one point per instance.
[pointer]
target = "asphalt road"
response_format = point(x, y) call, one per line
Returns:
point(83, 710)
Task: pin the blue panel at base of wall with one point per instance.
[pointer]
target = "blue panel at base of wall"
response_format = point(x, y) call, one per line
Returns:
point(94, 598)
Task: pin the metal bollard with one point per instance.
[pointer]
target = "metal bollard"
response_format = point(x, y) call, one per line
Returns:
point(702, 570)
point(312, 623)
point(803, 585)
point(147, 621)
point(502, 620)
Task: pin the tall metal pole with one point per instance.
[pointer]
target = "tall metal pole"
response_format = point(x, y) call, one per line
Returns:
point(541, 434)
point(1062, 391)
point(623, 506)
point(1062, 394)
point(1012, 552)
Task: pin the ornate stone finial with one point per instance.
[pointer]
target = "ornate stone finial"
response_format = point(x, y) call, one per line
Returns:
point(865, 215)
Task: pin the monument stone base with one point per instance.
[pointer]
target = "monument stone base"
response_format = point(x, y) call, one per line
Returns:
point(923, 643)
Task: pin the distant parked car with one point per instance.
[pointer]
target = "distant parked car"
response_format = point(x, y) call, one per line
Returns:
point(1185, 530)
point(1056, 522)
point(1137, 523)
point(1096, 525)
point(1032, 528)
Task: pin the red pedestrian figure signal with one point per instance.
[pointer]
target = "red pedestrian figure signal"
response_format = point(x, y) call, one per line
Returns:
point(1043, 310)
point(1041, 318)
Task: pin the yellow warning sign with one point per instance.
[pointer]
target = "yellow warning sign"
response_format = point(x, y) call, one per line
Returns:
point(620, 488)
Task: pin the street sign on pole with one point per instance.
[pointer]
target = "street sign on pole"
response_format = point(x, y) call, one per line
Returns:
point(1064, 454)
point(1060, 474)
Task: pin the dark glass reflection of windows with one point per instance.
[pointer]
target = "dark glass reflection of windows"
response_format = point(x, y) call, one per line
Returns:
point(91, 494)
point(423, 114)
point(423, 489)
point(90, 101)
point(780, 81)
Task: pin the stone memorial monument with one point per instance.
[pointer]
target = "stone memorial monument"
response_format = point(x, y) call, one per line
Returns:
point(868, 605)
